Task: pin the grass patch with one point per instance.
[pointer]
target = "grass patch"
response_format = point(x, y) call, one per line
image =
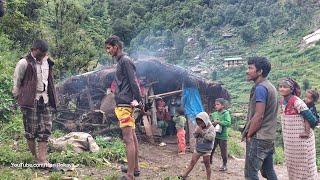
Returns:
point(12, 129)
point(279, 156)
point(234, 147)
point(14, 148)
point(57, 133)
point(13, 174)
point(10, 154)
point(113, 176)
point(55, 176)
point(109, 152)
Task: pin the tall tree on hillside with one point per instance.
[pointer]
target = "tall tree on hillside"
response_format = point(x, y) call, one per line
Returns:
point(126, 18)
point(22, 21)
point(71, 44)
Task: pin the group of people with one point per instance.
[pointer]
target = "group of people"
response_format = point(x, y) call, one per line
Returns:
point(298, 118)
point(35, 93)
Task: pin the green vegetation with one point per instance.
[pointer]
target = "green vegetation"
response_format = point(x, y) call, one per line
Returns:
point(113, 176)
point(14, 150)
point(177, 31)
point(234, 147)
point(110, 152)
point(172, 178)
point(279, 156)
point(10, 174)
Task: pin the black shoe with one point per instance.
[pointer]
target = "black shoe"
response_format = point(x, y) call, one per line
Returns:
point(125, 170)
point(124, 177)
point(223, 168)
point(181, 177)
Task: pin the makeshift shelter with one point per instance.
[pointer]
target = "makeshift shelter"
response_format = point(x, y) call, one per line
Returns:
point(86, 101)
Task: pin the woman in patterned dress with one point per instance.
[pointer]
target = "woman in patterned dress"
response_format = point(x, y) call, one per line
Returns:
point(300, 152)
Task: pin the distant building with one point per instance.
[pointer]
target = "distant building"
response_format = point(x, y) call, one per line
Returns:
point(312, 38)
point(233, 62)
point(227, 35)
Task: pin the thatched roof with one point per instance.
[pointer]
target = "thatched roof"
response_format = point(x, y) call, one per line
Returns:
point(168, 77)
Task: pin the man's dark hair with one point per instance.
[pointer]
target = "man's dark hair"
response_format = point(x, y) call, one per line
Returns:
point(2, 10)
point(41, 45)
point(114, 41)
point(261, 63)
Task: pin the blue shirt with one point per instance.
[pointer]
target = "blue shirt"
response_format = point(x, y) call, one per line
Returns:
point(261, 94)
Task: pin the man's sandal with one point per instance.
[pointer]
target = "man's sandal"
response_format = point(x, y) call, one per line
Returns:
point(182, 178)
point(223, 168)
point(125, 170)
point(123, 177)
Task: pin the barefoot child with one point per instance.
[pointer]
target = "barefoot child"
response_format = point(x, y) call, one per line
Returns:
point(311, 98)
point(223, 118)
point(180, 121)
point(204, 134)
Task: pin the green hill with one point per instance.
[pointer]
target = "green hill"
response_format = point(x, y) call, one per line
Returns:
point(192, 33)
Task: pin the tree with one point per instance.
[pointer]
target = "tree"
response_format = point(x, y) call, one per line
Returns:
point(247, 34)
point(239, 19)
point(203, 43)
point(306, 84)
point(71, 46)
point(22, 23)
point(179, 43)
point(230, 13)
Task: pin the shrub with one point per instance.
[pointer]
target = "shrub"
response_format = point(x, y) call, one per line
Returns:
point(55, 176)
point(234, 147)
point(10, 174)
point(109, 151)
point(278, 156)
point(12, 129)
point(6, 83)
point(10, 154)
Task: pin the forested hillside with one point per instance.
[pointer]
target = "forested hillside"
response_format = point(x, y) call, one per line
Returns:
point(200, 32)
point(190, 33)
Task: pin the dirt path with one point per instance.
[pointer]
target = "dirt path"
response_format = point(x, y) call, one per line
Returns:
point(162, 162)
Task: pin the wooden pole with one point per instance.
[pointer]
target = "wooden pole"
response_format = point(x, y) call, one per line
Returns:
point(153, 109)
point(165, 94)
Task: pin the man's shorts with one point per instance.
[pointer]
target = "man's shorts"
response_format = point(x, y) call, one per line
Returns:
point(124, 115)
point(37, 124)
point(202, 153)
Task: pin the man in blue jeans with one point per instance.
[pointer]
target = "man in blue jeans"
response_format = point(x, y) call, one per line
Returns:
point(260, 130)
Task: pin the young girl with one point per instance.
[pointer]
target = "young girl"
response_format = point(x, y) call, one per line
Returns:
point(180, 121)
point(299, 145)
point(204, 134)
point(310, 99)
point(223, 118)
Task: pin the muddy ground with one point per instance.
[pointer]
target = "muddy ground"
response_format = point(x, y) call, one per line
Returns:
point(162, 162)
